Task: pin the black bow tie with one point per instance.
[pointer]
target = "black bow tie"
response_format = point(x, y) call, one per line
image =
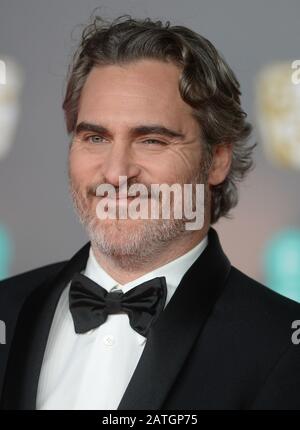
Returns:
point(90, 304)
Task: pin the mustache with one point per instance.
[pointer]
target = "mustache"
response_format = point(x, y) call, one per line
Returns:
point(134, 187)
point(146, 192)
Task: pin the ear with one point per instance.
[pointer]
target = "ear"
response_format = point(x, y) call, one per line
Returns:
point(222, 157)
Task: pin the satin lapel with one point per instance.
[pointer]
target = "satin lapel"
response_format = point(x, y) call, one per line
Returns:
point(31, 336)
point(172, 336)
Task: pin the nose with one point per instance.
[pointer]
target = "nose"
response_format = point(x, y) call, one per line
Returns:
point(119, 161)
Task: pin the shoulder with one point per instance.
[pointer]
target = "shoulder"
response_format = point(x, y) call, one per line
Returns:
point(265, 321)
point(251, 328)
point(16, 289)
point(252, 294)
point(260, 315)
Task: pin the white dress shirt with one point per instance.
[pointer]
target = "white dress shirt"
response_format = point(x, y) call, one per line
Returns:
point(92, 370)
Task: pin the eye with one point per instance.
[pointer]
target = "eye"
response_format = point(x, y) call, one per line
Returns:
point(94, 138)
point(154, 142)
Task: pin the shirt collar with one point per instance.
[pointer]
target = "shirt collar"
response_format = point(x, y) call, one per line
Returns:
point(172, 271)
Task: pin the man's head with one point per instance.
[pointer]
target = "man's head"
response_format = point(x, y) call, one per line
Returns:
point(155, 103)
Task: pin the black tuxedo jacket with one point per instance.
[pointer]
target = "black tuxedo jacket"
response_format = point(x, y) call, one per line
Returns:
point(222, 342)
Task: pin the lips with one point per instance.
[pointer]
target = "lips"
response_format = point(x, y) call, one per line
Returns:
point(120, 197)
point(117, 200)
point(116, 196)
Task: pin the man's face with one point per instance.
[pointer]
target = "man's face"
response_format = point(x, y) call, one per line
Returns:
point(132, 122)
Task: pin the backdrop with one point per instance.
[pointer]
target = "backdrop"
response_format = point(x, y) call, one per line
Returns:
point(35, 207)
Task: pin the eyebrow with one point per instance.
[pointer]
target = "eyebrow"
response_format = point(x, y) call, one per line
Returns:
point(134, 132)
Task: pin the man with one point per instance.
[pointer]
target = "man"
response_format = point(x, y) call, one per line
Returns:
point(149, 314)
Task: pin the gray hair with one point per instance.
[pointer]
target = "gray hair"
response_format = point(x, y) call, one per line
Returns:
point(206, 83)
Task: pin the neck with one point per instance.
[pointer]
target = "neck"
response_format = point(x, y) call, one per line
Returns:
point(173, 250)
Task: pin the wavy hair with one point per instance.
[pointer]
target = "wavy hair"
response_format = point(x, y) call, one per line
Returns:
point(206, 83)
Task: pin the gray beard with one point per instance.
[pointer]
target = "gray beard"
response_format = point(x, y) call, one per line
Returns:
point(142, 245)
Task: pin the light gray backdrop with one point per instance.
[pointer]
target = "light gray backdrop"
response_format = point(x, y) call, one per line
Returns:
point(34, 195)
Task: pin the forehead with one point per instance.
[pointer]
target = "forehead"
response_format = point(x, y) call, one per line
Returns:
point(144, 87)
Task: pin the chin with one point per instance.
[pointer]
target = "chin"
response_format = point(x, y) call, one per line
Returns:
point(117, 232)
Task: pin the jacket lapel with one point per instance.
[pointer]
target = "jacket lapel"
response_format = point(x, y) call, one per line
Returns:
point(172, 337)
point(31, 335)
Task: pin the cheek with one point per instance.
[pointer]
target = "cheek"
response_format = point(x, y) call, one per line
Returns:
point(80, 165)
point(179, 163)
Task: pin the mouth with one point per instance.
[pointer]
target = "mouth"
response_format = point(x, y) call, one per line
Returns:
point(119, 197)
point(117, 200)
